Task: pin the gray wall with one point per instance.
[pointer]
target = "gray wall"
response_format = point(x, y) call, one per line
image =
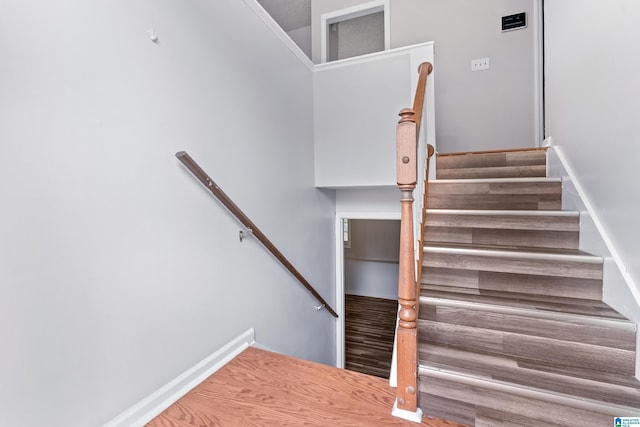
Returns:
point(355, 125)
point(302, 37)
point(482, 110)
point(592, 109)
point(356, 36)
point(117, 270)
point(371, 263)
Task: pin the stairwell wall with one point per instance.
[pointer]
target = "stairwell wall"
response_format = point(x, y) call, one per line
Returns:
point(483, 110)
point(118, 271)
point(591, 114)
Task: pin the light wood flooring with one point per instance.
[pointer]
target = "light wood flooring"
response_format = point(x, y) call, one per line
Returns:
point(260, 388)
point(369, 331)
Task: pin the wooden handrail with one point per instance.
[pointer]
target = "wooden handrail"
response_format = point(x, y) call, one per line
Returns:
point(407, 134)
point(418, 101)
point(201, 175)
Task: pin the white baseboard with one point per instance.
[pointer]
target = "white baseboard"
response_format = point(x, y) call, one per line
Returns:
point(151, 406)
point(416, 416)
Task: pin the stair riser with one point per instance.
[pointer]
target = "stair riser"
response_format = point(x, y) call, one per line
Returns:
point(499, 264)
point(484, 160)
point(615, 337)
point(510, 202)
point(580, 383)
point(545, 222)
point(478, 403)
point(545, 350)
point(495, 195)
point(493, 172)
point(502, 237)
point(535, 285)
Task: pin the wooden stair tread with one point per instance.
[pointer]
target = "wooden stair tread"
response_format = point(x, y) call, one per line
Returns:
point(617, 390)
point(613, 332)
point(510, 251)
point(512, 326)
point(479, 400)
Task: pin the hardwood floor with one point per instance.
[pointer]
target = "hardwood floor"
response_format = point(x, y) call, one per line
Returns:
point(260, 388)
point(369, 331)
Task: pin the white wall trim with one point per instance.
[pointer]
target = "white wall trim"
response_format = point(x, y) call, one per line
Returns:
point(538, 73)
point(371, 57)
point(340, 272)
point(633, 288)
point(151, 406)
point(278, 31)
point(354, 12)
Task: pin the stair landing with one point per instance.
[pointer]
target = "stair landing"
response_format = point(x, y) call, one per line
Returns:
point(261, 388)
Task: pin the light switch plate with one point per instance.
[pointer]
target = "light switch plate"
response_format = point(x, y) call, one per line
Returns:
point(479, 64)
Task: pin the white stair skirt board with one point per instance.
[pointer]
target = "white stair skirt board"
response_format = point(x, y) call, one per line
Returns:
point(416, 417)
point(393, 373)
point(151, 406)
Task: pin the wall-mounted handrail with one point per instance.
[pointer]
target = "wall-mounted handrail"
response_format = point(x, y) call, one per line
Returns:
point(407, 134)
point(201, 175)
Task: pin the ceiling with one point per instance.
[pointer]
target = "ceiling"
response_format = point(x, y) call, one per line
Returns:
point(289, 14)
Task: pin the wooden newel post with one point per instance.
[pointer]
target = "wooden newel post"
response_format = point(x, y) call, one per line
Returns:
point(406, 166)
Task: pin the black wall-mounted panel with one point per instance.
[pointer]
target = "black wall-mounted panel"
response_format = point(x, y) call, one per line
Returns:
point(513, 22)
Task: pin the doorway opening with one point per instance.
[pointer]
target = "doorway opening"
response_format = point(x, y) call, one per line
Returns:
point(367, 270)
point(355, 31)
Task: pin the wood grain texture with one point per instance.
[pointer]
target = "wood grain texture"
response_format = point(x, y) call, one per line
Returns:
point(581, 383)
point(491, 159)
point(510, 304)
point(493, 172)
point(513, 283)
point(533, 302)
point(497, 237)
point(260, 388)
point(522, 265)
point(539, 413)
point(549, 221)
point(370, 325)
point(578, 329)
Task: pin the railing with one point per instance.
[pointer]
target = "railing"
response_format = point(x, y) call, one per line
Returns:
point(200, 174)
point(407, 133)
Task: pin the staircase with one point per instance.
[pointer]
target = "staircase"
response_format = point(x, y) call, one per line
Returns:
point(512, 327)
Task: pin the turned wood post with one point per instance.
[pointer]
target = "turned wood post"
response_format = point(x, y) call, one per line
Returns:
point(407, 337)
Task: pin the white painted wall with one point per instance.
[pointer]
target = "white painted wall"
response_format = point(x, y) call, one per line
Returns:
point(302, 37)
point(592, 111)
point(117, 270)
point(491, 109)
point(371, 263)
point(371, 278)
point(355, 115)
point(374, 200)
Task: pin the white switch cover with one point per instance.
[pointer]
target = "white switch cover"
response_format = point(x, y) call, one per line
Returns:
point(479, 64)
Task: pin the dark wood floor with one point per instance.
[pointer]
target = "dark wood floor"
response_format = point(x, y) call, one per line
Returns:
point(369, 330)
point(260, 388)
